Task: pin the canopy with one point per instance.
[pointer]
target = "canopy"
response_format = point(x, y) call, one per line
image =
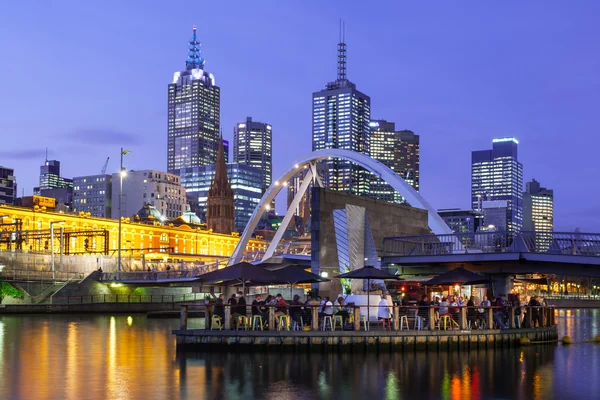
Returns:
point(457, 276)
point(368, 272)
point(249, 274)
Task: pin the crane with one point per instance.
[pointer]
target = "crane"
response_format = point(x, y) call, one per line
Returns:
point(105, 165)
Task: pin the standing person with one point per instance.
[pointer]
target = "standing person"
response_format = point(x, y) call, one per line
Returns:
point(241, 301)
point(296, 310)
point(232, 302)
point(423, 311)
point(219, 309)
point(534, 310)
point(500, 314)
point(383, 311)
point(257, 306)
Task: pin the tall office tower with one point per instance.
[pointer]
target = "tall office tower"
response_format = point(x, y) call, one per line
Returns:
point(538, 208)
point(193, 114)
point(220, 215)
point(497, 174)
point(341, 116)
point(50, 177)
point(399, 150)
point(252, 146)
point(159, 189)
point(226, 150)
point(302, 210)
point(461, 221)
point(8, 186)
point(93, 194)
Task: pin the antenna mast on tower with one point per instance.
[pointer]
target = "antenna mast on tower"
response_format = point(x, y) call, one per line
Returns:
point(341, 75)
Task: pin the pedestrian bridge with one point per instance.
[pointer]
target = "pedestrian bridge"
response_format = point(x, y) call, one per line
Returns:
point(564, 253)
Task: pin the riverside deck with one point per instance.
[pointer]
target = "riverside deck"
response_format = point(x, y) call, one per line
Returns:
point(358, 340)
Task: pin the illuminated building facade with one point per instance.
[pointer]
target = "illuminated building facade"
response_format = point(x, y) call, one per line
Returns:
point(497, 174)
point(461, 221)
point(193, 114)
point(340, 120)
point(252, 146)
point(8, 186)
point(538, 211)
point(93, 194)
point(159, 189)
point(245, 182)
point(138, 239)
point(398, 150)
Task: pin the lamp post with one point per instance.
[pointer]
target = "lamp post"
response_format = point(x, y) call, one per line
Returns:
point(52, 245)
point(122, 174)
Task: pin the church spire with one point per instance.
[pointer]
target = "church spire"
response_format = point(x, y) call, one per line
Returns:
point(220, 211)
point(221, 179)
point(194, 59)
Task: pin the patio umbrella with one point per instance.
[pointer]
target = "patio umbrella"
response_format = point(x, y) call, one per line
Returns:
point(293, 274)
point(242, 273)
point(457, 276)
point(368, 272)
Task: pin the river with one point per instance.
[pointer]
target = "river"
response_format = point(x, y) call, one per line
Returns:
point(130, 357)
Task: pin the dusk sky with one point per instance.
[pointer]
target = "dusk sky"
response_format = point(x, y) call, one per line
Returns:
point(86, 78)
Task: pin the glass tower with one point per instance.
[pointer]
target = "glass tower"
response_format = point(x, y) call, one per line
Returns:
point(252, 146)
point(341, 117)
point(398, 150)
point(497, 174)
point(193, 114)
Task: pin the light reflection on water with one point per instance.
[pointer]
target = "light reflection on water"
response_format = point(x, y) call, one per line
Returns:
point(130, 357)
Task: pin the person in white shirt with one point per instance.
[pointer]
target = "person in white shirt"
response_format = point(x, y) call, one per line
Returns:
point(443, 306)
point(328, 307)
point(383, 312)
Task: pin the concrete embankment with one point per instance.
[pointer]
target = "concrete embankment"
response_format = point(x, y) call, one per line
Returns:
point(356, 341)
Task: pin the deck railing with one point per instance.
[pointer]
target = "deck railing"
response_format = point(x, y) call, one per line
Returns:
point(369, 317)
point(558, 243)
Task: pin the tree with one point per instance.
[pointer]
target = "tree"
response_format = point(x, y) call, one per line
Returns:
point(6, 289)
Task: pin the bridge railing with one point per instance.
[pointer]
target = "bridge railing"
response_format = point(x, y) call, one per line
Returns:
point(157, 275)
point(565, 243)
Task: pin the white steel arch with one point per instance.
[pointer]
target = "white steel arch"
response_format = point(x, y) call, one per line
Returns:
point(436, 223)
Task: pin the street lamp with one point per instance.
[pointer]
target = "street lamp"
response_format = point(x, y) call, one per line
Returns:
point(52, 245)
point(122, 174)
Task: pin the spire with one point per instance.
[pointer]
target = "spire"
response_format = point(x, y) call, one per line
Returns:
point(194, 59)
point(221, 182)
point(341, 67)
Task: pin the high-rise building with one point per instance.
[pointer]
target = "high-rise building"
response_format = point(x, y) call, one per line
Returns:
point(461, 221)
point(219, 203)
point(497, 174)
point(245, 182)
point(399, 150)
point(495, 215)
point(252, 146)
point(159, 189)
point(341, 117)
point(302, 210)
point(193, 114)
point(8, 186)
point(50, 177)
point(93, 194)
point(538, 208)
point(226, 150)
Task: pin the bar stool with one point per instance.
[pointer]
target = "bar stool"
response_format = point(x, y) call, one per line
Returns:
point(326, 319)
point(404, 322)
point(244, 322)
point(284, 319)
point(448, 321)
point(215, 323)
point(419, 323)
point(365, 320)
point(337, 318)
point(257, 319)
point(386, 323)
point(297, 326)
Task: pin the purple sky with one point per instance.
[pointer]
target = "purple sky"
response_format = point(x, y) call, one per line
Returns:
point(85, 78)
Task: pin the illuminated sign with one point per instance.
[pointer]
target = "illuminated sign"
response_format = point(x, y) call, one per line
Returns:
point(503, 140)
point(47, 202)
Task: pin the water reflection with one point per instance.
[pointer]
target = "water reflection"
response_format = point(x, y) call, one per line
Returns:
point(130, 357)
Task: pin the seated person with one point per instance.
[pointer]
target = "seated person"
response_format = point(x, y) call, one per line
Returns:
point(296, 309)
point(384, 313)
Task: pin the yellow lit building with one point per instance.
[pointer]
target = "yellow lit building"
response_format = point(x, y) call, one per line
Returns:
point(28, 229)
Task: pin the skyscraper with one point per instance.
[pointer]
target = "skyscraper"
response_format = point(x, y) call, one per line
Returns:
point(538, 208)
point(399, 150)
point(497, 174)
point(50, 177)
point(193, 114)
point(252, 146)
point(219, 204)
point(341, 116)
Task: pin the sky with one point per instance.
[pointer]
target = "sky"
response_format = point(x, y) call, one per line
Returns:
point(87, 78)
